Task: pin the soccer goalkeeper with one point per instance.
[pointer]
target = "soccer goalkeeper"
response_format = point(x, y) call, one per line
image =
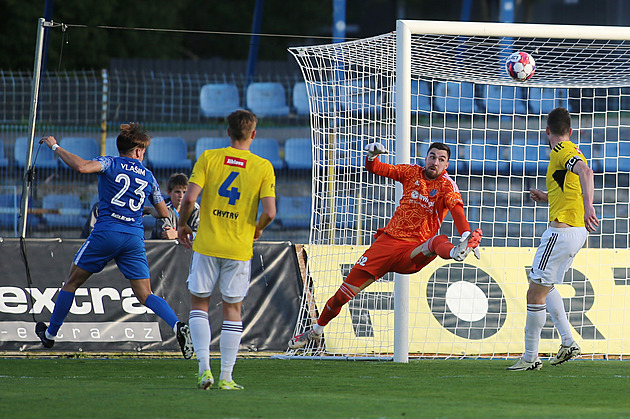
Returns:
point(409, 242)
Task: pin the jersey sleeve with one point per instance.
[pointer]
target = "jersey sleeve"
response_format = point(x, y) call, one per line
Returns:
point(155, 197)
point(569, 156)
point(268, 187)
point(383, 169)
point(198, 176)
point(105, 161)
point(452, 197)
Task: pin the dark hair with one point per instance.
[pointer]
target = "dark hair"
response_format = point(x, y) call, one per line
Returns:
point(176, 179)
point(132, 135)
point(559, 122)
point(241, 123)
point(441, 146)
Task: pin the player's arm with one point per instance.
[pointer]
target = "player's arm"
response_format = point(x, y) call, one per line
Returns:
point(373, 165)
point(73, 161)
point(267, 216)
point(588, 191)
point(459, 219)
point(184, 232)
point(538, 195)
point(161, 210)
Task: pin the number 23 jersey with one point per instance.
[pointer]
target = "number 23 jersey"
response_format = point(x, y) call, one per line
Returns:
point(233, 182)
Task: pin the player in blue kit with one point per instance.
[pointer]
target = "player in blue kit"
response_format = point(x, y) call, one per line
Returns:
point(123, 186)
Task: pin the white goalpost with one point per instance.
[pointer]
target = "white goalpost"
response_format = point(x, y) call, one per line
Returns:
point(445, 81)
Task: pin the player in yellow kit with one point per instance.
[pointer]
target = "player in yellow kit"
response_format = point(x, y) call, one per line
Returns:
point(570, 193)
point(233, 181)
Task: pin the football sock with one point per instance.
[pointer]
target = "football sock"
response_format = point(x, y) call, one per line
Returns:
point(555, 307)
point(201, 337)
point(440, 246)
point(334, 304)
point(318, 329)
point(536, 316)
point(61, 310)
point(162, 309)
point(230, 340)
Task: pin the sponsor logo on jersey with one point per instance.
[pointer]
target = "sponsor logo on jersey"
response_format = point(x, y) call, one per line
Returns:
point(225, 214)
point(433, 192)
point(235, 161)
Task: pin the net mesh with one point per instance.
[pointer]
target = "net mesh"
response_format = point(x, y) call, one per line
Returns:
point(495, 126)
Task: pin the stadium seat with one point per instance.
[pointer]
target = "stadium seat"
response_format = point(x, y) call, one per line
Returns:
point(168, 153)
point(300, 98)
point(452, 97)
point(10, 206)
point(110, 147)
point(267, 99)
point(420, 97)
point(541, 101)
point(359, 96)
point(208, 143)
point(71, 211)
point(218, 100)
point(268, 148)
point(83, 147)
point(504, 100)
point(298, 153)
point(346, 212)
point(45, 158)
point(484, 158)
point(617, 157)
point(295, 211)
point(4, 161)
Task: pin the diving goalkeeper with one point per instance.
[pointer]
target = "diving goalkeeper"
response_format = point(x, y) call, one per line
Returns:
point(409, 242)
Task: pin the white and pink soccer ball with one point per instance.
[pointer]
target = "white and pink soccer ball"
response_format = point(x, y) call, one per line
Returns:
point(520, 66)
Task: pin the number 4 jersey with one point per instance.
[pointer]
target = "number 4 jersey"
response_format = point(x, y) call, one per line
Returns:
point(124, 185)
point(233, 182)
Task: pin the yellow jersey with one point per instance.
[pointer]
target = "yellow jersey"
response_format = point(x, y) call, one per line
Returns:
point(233, 182)
point(563, 186)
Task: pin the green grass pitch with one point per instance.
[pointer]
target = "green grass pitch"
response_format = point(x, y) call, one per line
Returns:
point(275, 388)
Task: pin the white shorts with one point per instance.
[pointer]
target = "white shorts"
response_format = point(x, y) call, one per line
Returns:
point(558, 247)
point(232, 275)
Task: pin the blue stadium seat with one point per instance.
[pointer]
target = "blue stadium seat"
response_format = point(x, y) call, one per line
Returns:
point(298, 153)
point(10, 205)
point(593, 155)
point(617, 157)
point(218, 100)
point(45, 159)
point(110, 147)
point(168, 153)
point(300, 98)
point(484, 158)
point(359, 96)
point(267, 99)
point(347, 211)
point(208, 143)
point(4, 161)
point(268, 148)
point(452, 97)
point(420, 97)
point(504, 100)
point(72, 213)
point(83, 147)
point(541, 101)
point(295, 211)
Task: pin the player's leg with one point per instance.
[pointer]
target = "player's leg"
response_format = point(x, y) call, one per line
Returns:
point(201, 337)
point(76, 278)
point(231, 333)
point(131, 259)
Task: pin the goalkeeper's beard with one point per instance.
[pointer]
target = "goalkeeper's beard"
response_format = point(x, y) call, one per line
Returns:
point(431, 172)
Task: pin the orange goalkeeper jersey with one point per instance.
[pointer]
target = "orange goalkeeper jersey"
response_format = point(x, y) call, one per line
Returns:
point(424, 203)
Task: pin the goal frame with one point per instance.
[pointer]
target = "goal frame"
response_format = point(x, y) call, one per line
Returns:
point(404, 31)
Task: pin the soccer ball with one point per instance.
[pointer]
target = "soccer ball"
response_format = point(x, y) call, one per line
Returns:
point(520, 66)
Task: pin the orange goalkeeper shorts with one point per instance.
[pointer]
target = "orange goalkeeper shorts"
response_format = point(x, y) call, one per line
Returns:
point(389, 254)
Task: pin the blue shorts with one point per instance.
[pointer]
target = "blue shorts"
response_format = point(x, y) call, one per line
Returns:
point(127, 249)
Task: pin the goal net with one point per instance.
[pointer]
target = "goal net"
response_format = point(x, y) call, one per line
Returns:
point(446, 82)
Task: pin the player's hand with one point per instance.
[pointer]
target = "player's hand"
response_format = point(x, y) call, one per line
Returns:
point(257, 234)
point(374, 149)
point(185, 236)
point(538, 195)
point(590, 219)
point(169, 233)
point(49, 141)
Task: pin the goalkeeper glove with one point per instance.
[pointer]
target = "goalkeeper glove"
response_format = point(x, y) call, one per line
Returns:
point(374, 149)
point(469, 242)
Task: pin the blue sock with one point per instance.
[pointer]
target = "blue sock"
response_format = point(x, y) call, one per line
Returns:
point(162, 309)
point(61, 310)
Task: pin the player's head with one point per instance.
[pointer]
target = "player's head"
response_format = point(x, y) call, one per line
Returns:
point(241, 125)
point(176, 188)
point(436, 160)
point(559, 122)
point(132, 140)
